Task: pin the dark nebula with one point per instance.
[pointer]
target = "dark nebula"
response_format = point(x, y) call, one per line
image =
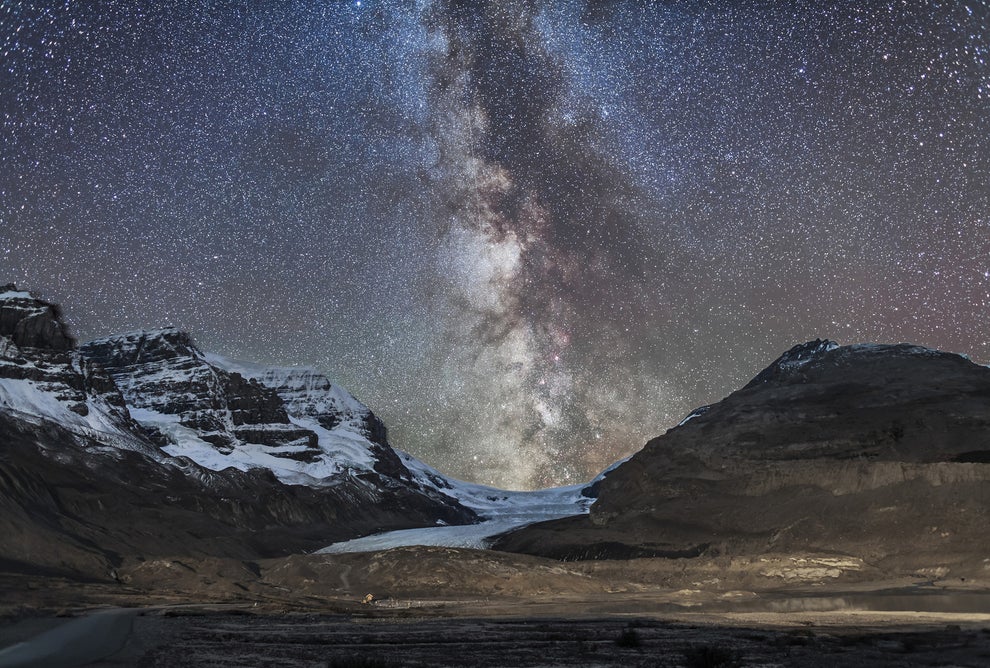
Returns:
point(530, 235)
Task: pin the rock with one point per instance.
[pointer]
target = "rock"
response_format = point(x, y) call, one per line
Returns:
point(163, 371)
point(30, 322)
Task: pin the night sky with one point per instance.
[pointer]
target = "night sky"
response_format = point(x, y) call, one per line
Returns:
point(529, 235)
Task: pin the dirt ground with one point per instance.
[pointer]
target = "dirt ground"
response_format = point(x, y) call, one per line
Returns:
point(622, 630)
point(443, 607)
point(193, 637)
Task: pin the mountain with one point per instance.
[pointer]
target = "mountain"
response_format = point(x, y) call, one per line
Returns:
point(141, 445)
point(225, 414)
point(866, 454)
point(131, 451)
point(44, 377)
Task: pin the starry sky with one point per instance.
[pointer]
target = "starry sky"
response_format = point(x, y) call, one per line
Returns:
point(529, 235)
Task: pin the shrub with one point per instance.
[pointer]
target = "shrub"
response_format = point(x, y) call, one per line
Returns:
point(711, 656)
point(628, 638)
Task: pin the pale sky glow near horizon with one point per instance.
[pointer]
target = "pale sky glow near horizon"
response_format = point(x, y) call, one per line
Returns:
point(529, 235)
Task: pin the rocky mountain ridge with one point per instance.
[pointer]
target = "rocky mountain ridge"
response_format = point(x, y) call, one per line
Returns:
point(870, 454)
point(138, 445)
point(44, 376)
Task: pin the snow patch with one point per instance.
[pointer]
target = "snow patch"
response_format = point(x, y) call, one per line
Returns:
point(32, 398)
point(341, 451)
point(16, 294)
point(693, 414)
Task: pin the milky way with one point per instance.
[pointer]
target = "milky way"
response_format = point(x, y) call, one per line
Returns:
point(530, 235)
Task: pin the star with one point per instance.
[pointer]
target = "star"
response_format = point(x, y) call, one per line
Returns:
point(530, 235)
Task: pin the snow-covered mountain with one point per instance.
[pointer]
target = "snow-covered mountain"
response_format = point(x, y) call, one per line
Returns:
point(195, 402)
point(140, 444)
point(204, 408)
point(43, 378)
point(348, 430)
point(268, 460)
point(292, 421)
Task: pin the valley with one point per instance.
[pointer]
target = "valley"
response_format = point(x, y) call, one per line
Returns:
point(832, 511)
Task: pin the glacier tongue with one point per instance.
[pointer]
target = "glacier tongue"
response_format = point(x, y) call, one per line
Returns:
point(501, 510)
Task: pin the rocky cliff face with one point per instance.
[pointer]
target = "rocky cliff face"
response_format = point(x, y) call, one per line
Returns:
point(30, 323)
point(875, 451)
point(138, 445)
point(310, 396)
point(223, 413)
point(40, 373)
point(175, 390)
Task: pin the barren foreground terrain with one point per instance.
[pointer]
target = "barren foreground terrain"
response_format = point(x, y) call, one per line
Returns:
point(452, 607)
point(198, 637)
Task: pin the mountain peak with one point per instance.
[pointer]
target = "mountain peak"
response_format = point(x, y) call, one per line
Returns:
point(12, 287)
point(792, 360)
point(32, 323)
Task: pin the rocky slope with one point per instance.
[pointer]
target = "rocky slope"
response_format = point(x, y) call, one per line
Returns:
point(29, 323)
point(872, 454)
point(220, 414)
point(43, 377)
point(139, 446)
